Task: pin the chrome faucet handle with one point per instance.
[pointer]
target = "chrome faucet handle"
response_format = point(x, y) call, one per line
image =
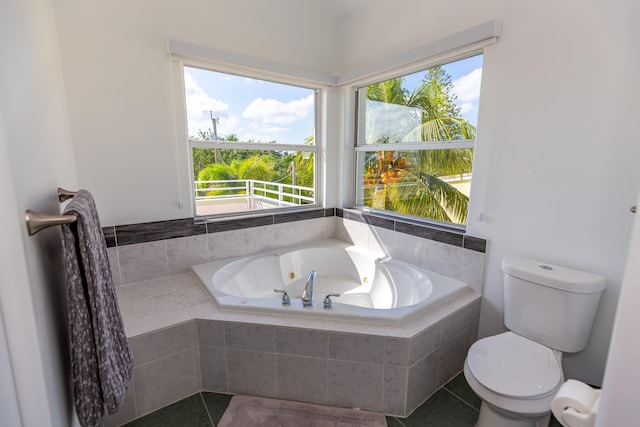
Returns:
point(307, 301)
point(286, 300)
point(327, 303)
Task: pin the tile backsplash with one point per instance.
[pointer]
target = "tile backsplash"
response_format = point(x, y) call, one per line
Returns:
point(146, 251)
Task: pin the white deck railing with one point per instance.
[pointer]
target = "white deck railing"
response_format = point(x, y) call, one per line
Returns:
point(277, 192)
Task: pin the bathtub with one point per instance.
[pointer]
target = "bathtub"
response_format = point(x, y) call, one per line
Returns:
point(372, 288)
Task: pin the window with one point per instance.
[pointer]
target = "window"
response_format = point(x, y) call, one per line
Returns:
point(415, 141)
point(252, 143)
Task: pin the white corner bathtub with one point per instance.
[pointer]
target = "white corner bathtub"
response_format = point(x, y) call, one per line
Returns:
point(371, 288)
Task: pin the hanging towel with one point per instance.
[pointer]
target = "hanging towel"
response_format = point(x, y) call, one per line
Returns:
point(101, 360)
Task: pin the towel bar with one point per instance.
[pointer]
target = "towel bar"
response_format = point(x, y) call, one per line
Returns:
point(37, 221)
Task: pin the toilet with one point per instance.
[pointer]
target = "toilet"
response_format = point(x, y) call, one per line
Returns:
point(549, 310)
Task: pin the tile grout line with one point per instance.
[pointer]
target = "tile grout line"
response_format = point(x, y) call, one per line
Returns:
point(206, 409)
point(226, 356)
point(135, 402)
point(401, 423)
point(461, 399)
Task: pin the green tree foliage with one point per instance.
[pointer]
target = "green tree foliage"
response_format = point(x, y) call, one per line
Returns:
point(203, 157)
point(228, 164)
point(258, 167)
point(301, 165)
point(210, 164)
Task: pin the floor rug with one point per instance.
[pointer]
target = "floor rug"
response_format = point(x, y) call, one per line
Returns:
point(248, 411)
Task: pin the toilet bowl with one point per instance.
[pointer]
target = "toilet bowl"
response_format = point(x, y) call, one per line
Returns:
point(548, 310)
point(516, 378)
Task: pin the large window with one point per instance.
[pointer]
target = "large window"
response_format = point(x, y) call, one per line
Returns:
point(415, 141)
point(252, 143)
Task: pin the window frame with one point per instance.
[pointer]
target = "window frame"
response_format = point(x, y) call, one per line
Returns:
point(185, 155)
point(359, 145)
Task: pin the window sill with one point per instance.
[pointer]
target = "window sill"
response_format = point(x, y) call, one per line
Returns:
point(455, 236)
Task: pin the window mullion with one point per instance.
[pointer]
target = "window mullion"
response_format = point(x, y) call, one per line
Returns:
point(252, 146)
point(418, 146)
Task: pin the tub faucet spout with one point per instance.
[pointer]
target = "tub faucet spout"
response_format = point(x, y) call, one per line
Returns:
point(307, 294)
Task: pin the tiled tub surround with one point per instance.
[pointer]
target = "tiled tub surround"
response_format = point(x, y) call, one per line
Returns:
point(183, 344)
point(146, 251)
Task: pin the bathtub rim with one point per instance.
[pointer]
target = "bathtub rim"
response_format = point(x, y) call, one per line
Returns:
point(341, 312)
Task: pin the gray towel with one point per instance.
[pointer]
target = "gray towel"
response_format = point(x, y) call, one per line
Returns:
point(101, 361)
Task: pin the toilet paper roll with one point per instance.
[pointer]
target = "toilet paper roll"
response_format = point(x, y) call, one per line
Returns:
point(574, 395)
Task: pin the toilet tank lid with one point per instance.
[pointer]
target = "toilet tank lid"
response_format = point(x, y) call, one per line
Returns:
point(554, 276)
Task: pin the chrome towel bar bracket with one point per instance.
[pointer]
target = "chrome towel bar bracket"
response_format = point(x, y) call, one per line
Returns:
point(36, 221)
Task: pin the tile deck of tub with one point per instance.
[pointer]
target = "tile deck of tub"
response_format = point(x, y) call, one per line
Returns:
point(167, 301)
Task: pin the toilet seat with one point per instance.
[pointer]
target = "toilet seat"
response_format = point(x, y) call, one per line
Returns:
point(514, 366)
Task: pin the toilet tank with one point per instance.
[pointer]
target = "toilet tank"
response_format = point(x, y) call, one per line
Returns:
point(549, 304)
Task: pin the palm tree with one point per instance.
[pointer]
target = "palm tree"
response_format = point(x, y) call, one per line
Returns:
point(259, 167)
point(440, 115)
point(410, 182)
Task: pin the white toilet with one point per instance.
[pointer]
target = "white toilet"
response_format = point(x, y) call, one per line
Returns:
point(549, 310)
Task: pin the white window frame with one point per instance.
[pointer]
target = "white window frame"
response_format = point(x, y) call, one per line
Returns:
point(185, 145)
point(447, 49)
point(360, 146)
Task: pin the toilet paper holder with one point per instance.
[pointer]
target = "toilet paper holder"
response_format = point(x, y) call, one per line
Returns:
point(576, 404)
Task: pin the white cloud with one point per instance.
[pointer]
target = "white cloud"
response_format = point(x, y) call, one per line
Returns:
point(199, 104)
point(279, 113)
point(265, 135)
point(228, 125)
point(468, 87)
point(465, 107)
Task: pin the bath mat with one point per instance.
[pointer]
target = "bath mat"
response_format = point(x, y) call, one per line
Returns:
point(248, 411)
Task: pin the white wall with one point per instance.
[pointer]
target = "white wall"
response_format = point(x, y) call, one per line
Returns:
point(9, 407)
point(621, 374)
point(561, 192)
point(556, 164)
point(118, 83)
point(35, 157)
point(553, 175)
point(620, 382)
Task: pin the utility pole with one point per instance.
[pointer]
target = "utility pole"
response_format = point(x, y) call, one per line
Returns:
point(214, 122)
point(214, 135)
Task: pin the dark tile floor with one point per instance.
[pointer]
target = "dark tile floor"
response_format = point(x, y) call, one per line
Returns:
point(454, 405)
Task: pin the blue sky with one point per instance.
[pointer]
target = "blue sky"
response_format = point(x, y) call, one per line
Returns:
point(264, 111)
point(252, 109)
